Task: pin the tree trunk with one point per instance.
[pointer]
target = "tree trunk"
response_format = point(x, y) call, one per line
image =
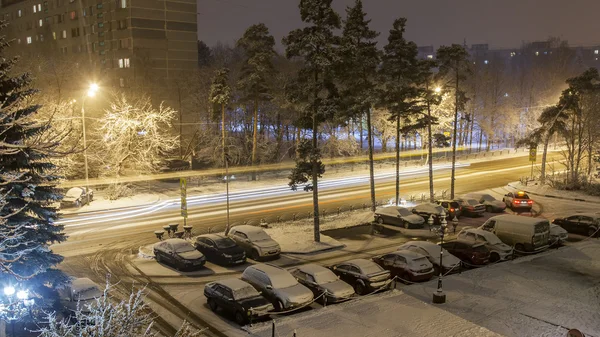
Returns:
point(223, 131)
point(315, 165)
point(361, 133)
point(397, 160)
point(453, 175)
point(279, 137)
point(430, 153)
point(371, 170)
point(544, 156)
point(254, 137)
point(298, 135)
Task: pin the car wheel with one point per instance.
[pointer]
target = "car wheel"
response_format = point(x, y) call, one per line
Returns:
point(360, 288)
point(494, 257)
point(380, 220)
point(254, 255)
point(519, 247)
point(240, 318)
point(77, 203)
point(592, 231)
point(212, 304)
point(279, 306)
point(406, 224)
point(488, 209)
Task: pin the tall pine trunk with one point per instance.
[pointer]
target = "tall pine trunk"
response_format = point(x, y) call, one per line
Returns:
point(397, 160)
point(254, 137)
point(371, 170)
point(430, 153)
point(452, 179)
point(315, 166)
point(223, 132)
point(544, 155)
point(361, 134)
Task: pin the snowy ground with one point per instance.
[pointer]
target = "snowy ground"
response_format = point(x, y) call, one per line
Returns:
point(535, 187)
point(544, 295)
point(101, 203)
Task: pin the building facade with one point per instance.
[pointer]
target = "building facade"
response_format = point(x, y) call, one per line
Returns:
point(126, 42)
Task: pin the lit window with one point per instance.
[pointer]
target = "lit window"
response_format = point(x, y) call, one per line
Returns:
point(54, 35)
point(73, 15)
point(122, 3)
point(39, 7)
point(512, 54)
point(121, 63)
point(430, 57)
point(19, 13)
point(41, 22)
point(19, 42)
point(537, 53)
point(486, 62)
point(596, 51)
point(126, 61)
point(42, 37)
point(64, 34)
point(34, 8)
point(29, 40)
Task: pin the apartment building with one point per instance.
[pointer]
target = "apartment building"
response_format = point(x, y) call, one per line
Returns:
point(125, 41)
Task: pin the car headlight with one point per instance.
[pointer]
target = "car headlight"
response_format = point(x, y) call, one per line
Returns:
point(227, 255)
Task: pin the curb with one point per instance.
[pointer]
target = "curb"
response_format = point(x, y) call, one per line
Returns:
point(145, 255)
point(315, 252)
point(554, 196)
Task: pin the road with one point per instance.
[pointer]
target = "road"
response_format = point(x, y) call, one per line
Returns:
point(103, 242)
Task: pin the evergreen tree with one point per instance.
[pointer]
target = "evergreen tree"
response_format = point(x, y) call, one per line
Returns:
point(257, 72)
point(400, 72)
point(204, 54)
point(27, 186)
point(453, 64)
point(358, 70)
point(314, 89)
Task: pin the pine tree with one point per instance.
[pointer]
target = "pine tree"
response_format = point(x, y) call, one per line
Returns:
point(27, 186)
point(454, 65)
point(314, 89)
point(358, 70)
point(257, 73)
point(400, 72)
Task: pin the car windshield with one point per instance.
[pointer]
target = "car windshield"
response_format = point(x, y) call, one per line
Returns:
point(283, 280)
point(472, 202)
point(182, 247)
point(74, 192)
point(371, 268)
point(487, 197)
point(224, 243)
point(325, 276)
point(521, 196)
point(246, 292)
point(404, 212)
point(258, 236)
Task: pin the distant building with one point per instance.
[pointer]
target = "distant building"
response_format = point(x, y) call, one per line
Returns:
point(426, 52)
point(124, 40)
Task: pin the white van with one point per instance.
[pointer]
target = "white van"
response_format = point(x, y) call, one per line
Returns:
point(523, 233)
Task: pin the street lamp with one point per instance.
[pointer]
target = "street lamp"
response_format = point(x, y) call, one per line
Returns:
point(93, 89)
point(439, 296)
point(13, 309)
point(438, 90)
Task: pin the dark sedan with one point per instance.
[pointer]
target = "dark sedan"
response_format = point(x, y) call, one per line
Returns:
point(220, 249)
point(407, 265)
point(398, 216)
point(469, 252)
point(178, 253)
point(323, 281)
point(471, 207)
point(587, 224)
point(426, 210)
point(364, 275)
point(237, 298)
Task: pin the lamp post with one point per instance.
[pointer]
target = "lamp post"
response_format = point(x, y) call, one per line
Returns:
point(16, 305)
point(439, 296)
point(93, 89)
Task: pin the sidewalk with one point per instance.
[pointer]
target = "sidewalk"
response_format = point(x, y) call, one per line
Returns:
point(100, 204)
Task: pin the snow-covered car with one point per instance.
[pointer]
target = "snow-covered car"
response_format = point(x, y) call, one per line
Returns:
point(257, 244)
point(322, 280)
point(581, 223)
point(407, 265)
point(471, 206)
point(518, 202)
point(79, 294)
point(427, 209)
point(179, 253)
point(398, 216)
point(364, 275)
point(432, 252)
point(220, 249)
point(499, 251)
point(278, 286)
point(76, 197)
point(558, 235)
point(238, 298)
point(491, 204)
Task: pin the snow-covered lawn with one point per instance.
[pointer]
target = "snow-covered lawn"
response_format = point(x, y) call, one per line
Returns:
point(100, 203)
point(536, 187)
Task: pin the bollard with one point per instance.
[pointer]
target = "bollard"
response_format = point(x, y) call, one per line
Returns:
point(279, 218)
point(173, 227)
point(167, 229)
point(187, 231)
point(351, 208)
point(339, 210)
point(294, 216)
point(273, 330)
point(159, 235)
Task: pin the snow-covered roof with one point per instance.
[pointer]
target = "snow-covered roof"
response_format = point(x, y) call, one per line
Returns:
point(361, 263)
point(82, 284)
point(408, 254)
point(213, 237)
point(233, 283)
point(312, 268)
point(591, 215)
point(247, 229)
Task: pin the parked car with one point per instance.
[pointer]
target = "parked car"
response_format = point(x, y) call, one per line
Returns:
point(492, 205)
point(257, 244)
point(364, 275)
point(426, 210)
point(451, 208)
point(432, 252)
point(407, 265)
point(322, 280)
point(278, 286)
point(518, 202)
point(238, 298)
point(79, 293)
point(398, 216)
point(473, 253)
point(499, 251)
point(558, 235)
point(471, 207)
point(174, 164)
point(587, 224)
point(178, 253)
point(220, 249)
point(523, 233)
point(76, 197)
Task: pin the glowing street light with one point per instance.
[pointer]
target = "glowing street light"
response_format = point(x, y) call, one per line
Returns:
point(438, 90)
point(93, 90)
point(9, 290)
point(22, 294)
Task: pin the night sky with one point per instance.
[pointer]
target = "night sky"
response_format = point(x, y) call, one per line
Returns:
point(501, 23)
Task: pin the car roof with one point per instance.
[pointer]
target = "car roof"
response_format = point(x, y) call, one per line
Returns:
point(481, 232)
point(81, 284)
point(248, 229)
point(360, 263)
point(390, 209)
point(591, 215)
point(267, 268)
point(423, 244)
point(233, 283)
point(407, 253)
point(212, 236)
point(311, 268)
point(175, 241)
